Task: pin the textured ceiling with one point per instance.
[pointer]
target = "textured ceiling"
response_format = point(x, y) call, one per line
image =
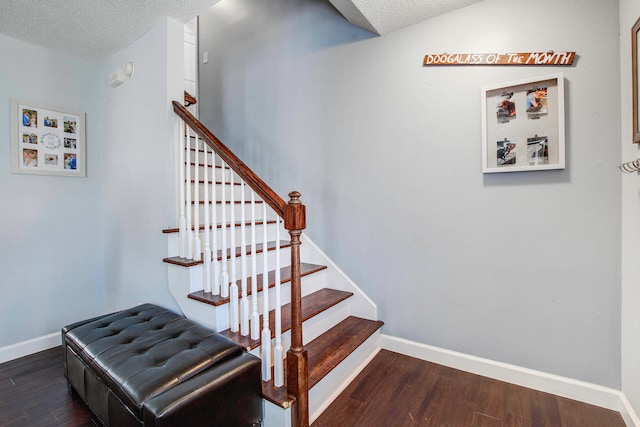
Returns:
point(90, 29)
point(96, 29)
point(383, 16)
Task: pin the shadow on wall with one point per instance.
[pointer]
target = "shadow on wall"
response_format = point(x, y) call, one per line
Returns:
point(319, 17)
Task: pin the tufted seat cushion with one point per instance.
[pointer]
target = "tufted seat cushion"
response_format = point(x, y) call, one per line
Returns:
point(145, 351)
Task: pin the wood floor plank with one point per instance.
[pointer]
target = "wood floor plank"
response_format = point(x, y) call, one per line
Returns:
point(544, 410)
point(513, 420)
point(34, 393)
point(577, 414)
point(423, 394)
point(491, 398)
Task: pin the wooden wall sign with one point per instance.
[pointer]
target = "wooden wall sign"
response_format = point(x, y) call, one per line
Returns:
point(526, 58)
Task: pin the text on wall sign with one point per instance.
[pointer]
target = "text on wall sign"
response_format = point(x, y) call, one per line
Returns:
point(525, 58)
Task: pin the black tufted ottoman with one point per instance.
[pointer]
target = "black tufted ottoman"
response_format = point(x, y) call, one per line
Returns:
point(148, 366)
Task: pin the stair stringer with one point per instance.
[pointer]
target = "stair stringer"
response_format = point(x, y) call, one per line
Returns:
point(361, 304)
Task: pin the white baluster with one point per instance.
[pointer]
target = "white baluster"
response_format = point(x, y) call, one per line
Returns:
point(233, 287)
point(182, 221)
point(224, 276)
point(278, 364)
point(266, 333)
point(255, 316)
point(244, 300)
point(214, 228)
point(189, 242)
point(207, 224)
point(197, 244)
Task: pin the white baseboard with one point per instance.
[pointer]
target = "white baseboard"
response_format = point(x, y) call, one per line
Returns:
point(592, 394)
point(25, 348)
point(629, 415)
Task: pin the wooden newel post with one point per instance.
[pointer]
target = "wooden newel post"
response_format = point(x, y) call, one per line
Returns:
point(297, 360)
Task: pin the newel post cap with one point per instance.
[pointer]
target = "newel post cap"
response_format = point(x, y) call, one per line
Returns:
point(295, 216)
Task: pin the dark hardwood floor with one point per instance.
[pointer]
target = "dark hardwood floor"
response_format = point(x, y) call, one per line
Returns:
point(400, 391)
point(33, 392)
point(393, 391)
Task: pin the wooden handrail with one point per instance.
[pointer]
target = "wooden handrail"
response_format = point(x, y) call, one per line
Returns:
point(189, 99)
point(254, 181)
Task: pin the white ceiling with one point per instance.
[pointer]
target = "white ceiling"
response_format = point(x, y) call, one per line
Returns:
point(96, 29)
point(383, 16)
point(90, 29)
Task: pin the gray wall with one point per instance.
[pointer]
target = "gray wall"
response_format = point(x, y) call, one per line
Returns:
point(78, 247)
point(629, 12)
point(50, 226)
point(522, 268)
point(138, 170)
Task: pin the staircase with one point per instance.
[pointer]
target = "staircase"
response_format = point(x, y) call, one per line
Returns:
point(229, 268)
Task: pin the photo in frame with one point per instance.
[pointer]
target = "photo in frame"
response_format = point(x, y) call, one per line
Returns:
point(47, 140)
point(523, 125)
point(635, 85)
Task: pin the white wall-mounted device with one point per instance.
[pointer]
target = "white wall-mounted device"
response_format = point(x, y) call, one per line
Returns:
point(119, 77)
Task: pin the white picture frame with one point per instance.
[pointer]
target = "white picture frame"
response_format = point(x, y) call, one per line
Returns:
point(47, 140)
point(635, 84)
point(523, 125)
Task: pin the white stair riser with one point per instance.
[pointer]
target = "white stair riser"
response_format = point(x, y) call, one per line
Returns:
point(285, 257)
point(192, 156)
point(237, 190)
point(314, 327)
point(310, 284)
point(214, 172)
point(237, 233)
point(218, 316)
point(285, 296)
point(179, 279)
point(271, 236)
point(237, 211)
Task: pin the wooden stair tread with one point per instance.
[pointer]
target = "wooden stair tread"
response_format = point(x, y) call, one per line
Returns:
point(210, 182)
point(312, 305)
point(277, 395)
point(184, 262)
point(209, 166)
point(332, 347)
point(237, 224)
point(325, 353)
point(285, 276)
